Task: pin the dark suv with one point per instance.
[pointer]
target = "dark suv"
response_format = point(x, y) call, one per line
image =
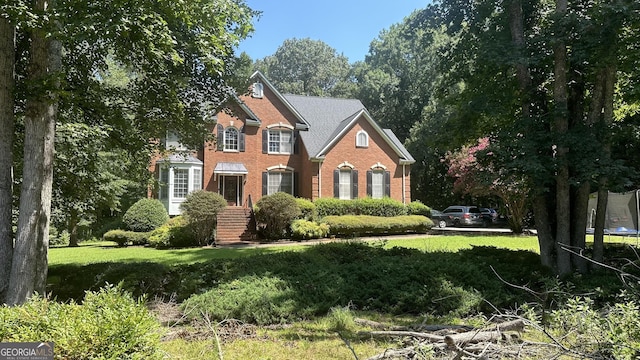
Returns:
point(465, 215)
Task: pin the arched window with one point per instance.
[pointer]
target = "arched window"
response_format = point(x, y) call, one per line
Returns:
point(231, 139)
point(258, 90)
point(362, 139)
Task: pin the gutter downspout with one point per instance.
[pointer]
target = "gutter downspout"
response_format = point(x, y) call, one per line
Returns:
point(320, 179)
point(404, 190)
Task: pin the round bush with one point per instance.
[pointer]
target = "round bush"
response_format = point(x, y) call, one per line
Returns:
point(201, 209)
point(274, 213)
point(307, 208)
point(145, 215)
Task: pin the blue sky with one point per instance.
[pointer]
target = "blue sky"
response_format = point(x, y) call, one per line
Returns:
point(348, 26)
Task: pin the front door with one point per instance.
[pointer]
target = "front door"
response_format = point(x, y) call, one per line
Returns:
point(232, 189)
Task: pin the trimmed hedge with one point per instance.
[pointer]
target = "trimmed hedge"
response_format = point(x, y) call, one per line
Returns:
point(302, 230)
point(308, 209)
point(124, 237)
point(356, 225)
point(366, 206)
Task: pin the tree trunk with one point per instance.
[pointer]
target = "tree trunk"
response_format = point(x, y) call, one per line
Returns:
point(560, 129)
point(545, 234)
point(29, 268)
point(603, 191)
point(579, 226)
point(73, 228)
point(7, 60)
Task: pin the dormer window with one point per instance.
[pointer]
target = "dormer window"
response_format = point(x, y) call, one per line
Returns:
point(362, 139)
point(257, 90)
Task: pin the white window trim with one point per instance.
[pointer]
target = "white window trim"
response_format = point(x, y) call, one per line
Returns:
point(346, 186)
point(280, 142)
point(359, 143)
point(346, 164)
point(257, 90)
point(280, 172)
point(378, 165)
point(224, 147)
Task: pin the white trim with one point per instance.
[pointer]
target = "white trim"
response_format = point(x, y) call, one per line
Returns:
point(346, 164)
point(280, 167)
point(320, 179)
point(280, 125)
point(378, 166)
point(404, 185)
point(366, 139)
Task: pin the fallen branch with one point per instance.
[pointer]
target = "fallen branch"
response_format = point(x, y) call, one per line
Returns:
point(420, 335)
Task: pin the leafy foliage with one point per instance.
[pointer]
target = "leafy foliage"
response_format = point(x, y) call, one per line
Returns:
point(362, 206)
point(175, 233)
point(307, 67)
point(359, 225)
point(124, 238)
point(145, 215)
point(109, 324)
point(201, 209)
point(304, 229)
point(275, 213)
point(418, 208)
point(308, 209)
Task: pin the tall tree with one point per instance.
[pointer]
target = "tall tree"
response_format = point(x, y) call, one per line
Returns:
point(307, 67)
point(544, 65)
point(7, 43)
point(179, 53)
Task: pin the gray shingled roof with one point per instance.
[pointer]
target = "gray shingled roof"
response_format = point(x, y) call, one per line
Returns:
point(326, 117)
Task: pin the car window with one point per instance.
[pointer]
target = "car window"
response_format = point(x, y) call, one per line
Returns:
point(453, 211)
point(474, 210)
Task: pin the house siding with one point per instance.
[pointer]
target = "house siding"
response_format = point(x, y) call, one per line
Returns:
point(363, 159)
point(270, 111)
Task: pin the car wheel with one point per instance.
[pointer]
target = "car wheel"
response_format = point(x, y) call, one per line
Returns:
point(442, 224)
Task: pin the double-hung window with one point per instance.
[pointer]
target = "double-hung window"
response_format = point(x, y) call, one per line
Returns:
point(280, 181)
point(377, 184)
point(345, 184)
point(280, 141)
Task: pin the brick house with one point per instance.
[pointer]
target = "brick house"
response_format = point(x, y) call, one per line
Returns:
point(311, 147)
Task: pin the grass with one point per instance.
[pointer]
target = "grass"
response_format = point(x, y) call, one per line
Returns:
point(414, 273)
point(106, 252)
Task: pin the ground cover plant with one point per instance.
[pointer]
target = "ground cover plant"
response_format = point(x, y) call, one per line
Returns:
point(432, 277)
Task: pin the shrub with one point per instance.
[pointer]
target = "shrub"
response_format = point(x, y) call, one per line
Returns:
point(254, 299)
point(124, 238)
point(379, 207)
point(174, 233)
point(418, 208)
point(308, 209)
point(355, 225)
point(333, 206)
point(303, 229)
point(109, 324)
point(201, 209)
point(366, 206)
point(275, 213)
point(145, 215)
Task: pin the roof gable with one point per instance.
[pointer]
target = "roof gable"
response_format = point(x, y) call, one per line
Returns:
point(330, 118)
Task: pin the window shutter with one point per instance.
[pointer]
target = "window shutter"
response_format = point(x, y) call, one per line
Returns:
point(369, 182)
point(241, 139)
point(265, 141)
point(354, 180)
point(220, 139)
point(296, 147)
point(296, 182)
point(265, 183)
point(336, 184)
point(387, 183)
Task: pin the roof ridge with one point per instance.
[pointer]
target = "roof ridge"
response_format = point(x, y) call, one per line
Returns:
point(322, 97)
